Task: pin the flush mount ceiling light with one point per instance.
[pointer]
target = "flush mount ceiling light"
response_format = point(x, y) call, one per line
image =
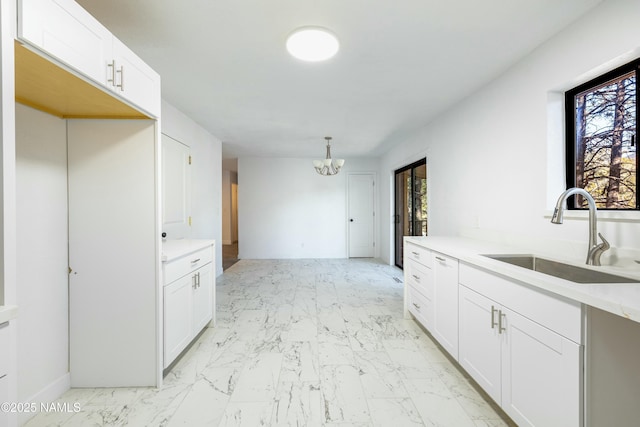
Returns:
point(328, 166)
point(312, 44)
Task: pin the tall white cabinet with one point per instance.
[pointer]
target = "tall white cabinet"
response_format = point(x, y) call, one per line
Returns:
point(112, 252)
point(69, 65)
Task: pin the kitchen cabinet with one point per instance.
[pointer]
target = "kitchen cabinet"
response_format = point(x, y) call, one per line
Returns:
point(114, 254)
point(65, 32)
point(133, 79)
point(531, 371)
point(445, 302)
point(419, 278)
point(189, 299)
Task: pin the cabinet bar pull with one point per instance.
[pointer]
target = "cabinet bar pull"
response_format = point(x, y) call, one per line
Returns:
point(112, 80)
point(194, 282)
point(441, 259)
point(416, 254)
point(493, 317)
point(195, 260)
point(501, 316)
point(416, 306)
point(198, 278)
point(121, 71)
point(416, 277)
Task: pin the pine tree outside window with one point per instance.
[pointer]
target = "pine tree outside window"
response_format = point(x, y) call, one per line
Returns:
point(601, 139)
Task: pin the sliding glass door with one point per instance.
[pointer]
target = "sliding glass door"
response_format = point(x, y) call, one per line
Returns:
point(410, 204)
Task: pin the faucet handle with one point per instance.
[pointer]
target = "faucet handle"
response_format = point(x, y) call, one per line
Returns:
point(604, 245)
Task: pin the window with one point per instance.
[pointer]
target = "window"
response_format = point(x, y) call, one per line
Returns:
point(601, 120)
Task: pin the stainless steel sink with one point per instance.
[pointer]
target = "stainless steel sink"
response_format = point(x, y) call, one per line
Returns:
point(561, 270)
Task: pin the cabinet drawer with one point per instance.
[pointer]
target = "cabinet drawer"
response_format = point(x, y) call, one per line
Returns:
point(177, 268)
point(552, 311)
point(420, 277)
point(417, 253)
point(420, 307)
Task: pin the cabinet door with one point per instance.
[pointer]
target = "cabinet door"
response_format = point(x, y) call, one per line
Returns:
point(480, 341)
point(134, 80)
point(202, 300)
point(540, 376)
point(445, 302)
point(176, 188)
point(68, 33)
point(177, 317)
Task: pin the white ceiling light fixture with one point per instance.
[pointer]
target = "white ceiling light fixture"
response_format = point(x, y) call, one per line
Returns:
point(328, 167)
point(312, 44)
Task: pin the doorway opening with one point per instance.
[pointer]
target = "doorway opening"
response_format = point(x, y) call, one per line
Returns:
point(410, 204)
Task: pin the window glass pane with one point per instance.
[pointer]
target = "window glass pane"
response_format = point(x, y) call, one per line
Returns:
point(605, 126)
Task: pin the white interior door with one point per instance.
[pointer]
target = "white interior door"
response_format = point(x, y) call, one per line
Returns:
point(176, 183)
point(361, 216)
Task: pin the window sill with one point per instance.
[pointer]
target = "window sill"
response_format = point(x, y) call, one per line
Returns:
point(604, 216)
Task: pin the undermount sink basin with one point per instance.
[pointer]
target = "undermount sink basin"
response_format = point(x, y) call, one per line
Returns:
point(561, 270)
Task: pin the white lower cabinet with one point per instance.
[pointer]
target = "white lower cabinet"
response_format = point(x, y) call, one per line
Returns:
point(177, 318)
point(445, 302)
point(532, 372)
point(188, 300)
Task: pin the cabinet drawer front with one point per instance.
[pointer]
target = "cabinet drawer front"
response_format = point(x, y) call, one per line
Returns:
point(420, 307)
point(182, 266)
point(417, 253)
point(552, 311)
point(420, 277)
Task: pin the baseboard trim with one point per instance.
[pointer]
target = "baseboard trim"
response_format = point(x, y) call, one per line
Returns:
point(47, 395)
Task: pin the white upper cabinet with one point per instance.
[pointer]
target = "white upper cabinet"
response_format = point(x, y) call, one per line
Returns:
point(64, 31)
point(133, 79)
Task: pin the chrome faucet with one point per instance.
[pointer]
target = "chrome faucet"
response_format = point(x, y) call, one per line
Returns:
point(595, 249)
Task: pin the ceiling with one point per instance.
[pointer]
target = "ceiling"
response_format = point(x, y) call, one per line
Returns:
point(400, 64)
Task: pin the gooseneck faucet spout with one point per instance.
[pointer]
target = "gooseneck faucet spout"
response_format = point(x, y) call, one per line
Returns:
point(595, 249)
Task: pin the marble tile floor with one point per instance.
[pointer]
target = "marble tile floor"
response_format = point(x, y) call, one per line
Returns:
point(298, 343)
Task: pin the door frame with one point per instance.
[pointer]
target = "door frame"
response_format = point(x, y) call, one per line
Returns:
point(422, 160)
point(376, 223)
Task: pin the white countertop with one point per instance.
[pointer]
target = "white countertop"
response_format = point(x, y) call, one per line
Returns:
point(8, 312)
point(620, 299)
point(172, 249)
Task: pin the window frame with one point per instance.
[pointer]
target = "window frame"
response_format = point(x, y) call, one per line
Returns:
point(570, 131)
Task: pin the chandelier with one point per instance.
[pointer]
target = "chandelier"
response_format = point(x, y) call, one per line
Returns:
point(327, 166)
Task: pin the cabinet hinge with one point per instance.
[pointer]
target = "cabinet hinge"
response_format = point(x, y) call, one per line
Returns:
point(189, 159)
point(189, 221)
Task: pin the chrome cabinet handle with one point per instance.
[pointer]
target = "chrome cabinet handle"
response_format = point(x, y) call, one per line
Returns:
point(501, 316)
point(112, 65)
point(198, 275)
point(416, 305)
point(416, 254)
point(441, 259)
point(493, 317)
point(195, 260)
point(121, 71)
point(417, 278)
point(194, 282)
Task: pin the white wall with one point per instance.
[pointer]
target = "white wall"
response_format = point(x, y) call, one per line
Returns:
point(287, 210)
point(42, 278)
point(206, 175)
point(495, 161)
